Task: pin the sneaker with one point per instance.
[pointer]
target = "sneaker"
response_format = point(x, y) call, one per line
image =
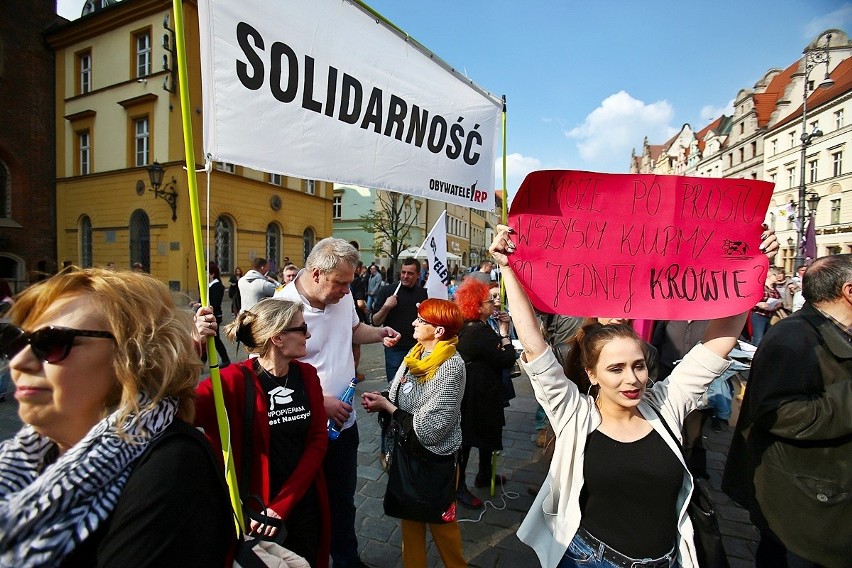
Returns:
point(485, 480)
point(468, 499)
point(541, 439)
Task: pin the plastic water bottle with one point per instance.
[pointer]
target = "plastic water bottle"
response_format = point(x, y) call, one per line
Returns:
point(348, 396)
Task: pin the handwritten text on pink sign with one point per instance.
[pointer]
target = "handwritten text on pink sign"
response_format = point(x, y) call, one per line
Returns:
point(640, 246)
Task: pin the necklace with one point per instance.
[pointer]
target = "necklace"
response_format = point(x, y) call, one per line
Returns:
point(275, 378)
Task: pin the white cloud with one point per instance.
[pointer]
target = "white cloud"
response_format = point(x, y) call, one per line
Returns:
point(710, 113)
point(840, 19)
point(619, 124)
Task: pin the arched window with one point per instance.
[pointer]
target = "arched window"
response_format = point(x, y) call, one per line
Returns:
point(273, 244)
point(224, 244)
point(140, 239)
point(308, 241)
point(5, 192)
point(85, 238)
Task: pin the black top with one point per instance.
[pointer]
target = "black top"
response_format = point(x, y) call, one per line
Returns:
point(359, 288)
point(629, 499)
point(216, 291)
point(289, 411)
point(403, 315)
point(174, 510)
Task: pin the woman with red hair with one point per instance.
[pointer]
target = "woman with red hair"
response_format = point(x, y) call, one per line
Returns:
point(486, 354)
point(425, 401)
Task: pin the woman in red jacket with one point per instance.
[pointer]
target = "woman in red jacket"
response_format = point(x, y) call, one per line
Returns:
point(289, 436)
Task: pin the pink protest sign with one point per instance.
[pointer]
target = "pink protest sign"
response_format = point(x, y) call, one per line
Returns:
point(638, 245)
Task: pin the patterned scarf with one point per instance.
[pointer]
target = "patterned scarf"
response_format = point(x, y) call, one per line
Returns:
point(424, 369)
point(46, 510)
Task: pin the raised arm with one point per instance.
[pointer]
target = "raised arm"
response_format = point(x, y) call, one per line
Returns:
point(523, 316)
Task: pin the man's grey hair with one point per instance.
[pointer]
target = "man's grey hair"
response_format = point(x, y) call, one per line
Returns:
point(329, 252)
point(824, 280)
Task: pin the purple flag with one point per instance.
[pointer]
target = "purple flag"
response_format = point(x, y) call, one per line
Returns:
point(809, 250)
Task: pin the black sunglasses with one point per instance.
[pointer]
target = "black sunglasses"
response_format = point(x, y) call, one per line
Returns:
point(303, 329)
point(51, 344)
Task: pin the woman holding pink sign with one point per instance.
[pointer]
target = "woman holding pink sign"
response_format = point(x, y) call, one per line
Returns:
point(617, 490)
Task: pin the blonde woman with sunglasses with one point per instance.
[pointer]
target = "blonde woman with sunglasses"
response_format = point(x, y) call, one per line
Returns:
point(288, 436)
point(107, 470)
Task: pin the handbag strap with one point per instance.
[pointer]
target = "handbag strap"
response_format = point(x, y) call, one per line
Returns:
point(669, 430)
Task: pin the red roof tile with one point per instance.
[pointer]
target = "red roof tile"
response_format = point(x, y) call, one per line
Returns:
point(842, 76)
point(766, 102)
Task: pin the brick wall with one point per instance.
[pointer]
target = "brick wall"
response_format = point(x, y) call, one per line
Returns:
point(27, 138)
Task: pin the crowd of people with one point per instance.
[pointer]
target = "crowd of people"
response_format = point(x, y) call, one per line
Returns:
point(107, 375)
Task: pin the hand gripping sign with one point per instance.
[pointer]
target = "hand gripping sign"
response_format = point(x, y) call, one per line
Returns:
point(639, 246)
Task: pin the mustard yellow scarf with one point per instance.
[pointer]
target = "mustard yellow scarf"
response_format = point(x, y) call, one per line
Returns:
point(424, 369)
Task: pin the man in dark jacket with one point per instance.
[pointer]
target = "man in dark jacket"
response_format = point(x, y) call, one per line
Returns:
point(790, 462)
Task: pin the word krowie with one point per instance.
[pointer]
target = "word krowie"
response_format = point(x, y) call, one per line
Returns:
point(414, 124)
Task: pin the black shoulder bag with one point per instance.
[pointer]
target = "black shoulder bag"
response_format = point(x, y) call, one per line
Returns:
point(702, 513)
point(421, 484)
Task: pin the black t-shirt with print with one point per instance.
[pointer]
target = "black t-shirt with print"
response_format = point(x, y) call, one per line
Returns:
point(289, 411)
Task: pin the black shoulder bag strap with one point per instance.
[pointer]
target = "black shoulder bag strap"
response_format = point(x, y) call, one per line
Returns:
point(668, 429)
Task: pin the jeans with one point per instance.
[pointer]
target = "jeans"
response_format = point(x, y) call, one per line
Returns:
point(341, 476)
point(584, 555)
point(759, 325)
point(393, 360)
point(540, 418)
point(720, 396)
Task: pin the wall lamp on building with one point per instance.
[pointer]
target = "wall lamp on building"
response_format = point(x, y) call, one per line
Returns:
point(814, 57)
point(168, 193)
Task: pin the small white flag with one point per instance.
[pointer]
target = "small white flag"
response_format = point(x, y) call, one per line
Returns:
point(435, 248)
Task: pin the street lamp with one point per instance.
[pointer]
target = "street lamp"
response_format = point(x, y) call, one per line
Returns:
point(814, 56)
point(168, 193)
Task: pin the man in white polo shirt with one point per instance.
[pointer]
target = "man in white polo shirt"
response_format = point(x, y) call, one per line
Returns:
point(323, 288)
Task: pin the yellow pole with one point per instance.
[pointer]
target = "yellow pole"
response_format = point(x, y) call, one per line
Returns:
point(192, 184)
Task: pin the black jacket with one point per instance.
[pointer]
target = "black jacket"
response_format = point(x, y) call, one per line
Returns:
point(485, 358)
point(790, 462)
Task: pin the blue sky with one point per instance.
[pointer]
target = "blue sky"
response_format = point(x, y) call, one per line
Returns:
point(586, 80)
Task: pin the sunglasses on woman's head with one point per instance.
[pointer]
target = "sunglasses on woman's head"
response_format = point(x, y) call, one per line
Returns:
point(303, 329)
point(51, 343)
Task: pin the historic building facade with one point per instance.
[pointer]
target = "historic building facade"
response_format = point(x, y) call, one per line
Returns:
point(117, 114)
point(763, 140)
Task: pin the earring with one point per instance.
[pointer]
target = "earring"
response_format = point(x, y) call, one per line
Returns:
point(589, 391)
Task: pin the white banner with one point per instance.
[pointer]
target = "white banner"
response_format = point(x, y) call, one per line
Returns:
point(435, 248)
point(322, 89)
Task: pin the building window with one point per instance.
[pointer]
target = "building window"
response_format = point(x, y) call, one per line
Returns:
point(223, 235)
point(838, 119)
point(84, 72)
point(140, 141)
point(85, 152)
point(143, 54)
point(754, 149)
point(774, 146)
point(308, 242)
point(275, 179)
point(812, 170)
point(814, 126)
point(311, 187)
point(835, 211)
point(85, 242)
point(792, 139)
point(773, 178)
point(730, 159)
point(226, 167)
point(5, 192)
point(140, 239)
point(337, 207)
point(791, 177)
point(742, 128)
point(742, 155)
point(273, 244)
point(837, 162)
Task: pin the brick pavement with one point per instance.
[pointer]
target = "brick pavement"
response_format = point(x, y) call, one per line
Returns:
point(490, 542)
